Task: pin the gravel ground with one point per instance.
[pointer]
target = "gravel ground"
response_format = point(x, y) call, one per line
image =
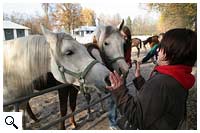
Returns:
point(46, 107)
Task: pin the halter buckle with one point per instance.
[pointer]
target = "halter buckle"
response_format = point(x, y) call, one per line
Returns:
point(81, 80)
point(61, 68)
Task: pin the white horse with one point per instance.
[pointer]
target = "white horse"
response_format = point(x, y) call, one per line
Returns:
point(111, 45)
point(27, 58)
point(108, 48)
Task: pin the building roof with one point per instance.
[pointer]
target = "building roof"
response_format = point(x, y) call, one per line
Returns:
point(86, 28)
point(12, 25)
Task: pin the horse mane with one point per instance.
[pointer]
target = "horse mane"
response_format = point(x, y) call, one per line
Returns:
point(90, 47)
point(25, 60)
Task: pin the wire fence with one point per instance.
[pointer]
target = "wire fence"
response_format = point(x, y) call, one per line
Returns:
point(17, 102)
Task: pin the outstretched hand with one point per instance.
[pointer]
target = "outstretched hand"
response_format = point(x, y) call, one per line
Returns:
point(137, 69)
point(116, 81)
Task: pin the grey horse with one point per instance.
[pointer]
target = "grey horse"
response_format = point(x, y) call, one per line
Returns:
point(27, 58)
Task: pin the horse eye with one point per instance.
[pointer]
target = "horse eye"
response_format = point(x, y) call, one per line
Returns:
point(106, 43)
point(68, 52)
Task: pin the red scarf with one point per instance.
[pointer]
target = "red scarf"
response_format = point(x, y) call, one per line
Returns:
point(181, 73)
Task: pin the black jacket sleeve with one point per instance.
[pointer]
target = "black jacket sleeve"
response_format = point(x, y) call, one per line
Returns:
point(128, 106)
point(139, 82)
point(159, 103)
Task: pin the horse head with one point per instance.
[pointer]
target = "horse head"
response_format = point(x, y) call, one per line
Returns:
point(151, 40)
point(71, 63)
point(111, 45)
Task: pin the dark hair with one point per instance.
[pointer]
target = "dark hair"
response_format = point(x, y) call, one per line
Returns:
point(128, 42)
point(127, 31)
point(180, 46)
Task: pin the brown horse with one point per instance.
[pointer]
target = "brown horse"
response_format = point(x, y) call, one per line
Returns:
point(70, 92)
point(136, 42)
point(151, 41)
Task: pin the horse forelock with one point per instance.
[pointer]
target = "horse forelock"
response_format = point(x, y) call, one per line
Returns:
point(104, 33)
point(109, 30)
point(59, 42)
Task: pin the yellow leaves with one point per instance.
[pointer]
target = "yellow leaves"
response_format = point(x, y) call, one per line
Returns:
point(87, 16)
point(176, 14)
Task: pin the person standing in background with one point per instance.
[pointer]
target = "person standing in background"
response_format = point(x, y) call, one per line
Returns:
point(126, 33)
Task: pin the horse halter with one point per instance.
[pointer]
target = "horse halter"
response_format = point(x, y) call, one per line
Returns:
point(79, 75)
point(111, 61)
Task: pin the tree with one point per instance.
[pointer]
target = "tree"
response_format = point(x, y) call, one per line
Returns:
point(47, 8)
point(143, 26)
point(33, 22)
point(87, 17)
point(110, 20)
point(176, 15)
point(115, 20)
point(129, 22)
point(15, 17)
point(66, 15)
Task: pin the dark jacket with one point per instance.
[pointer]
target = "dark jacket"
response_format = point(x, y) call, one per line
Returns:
point(159, 104)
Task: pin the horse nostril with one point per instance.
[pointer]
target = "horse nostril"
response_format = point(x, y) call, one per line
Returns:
point(107, 81)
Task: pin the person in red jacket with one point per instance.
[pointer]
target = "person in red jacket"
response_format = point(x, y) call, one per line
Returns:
point(126, 33)
point(160, 102)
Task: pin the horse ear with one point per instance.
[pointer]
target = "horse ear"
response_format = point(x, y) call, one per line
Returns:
point(121, 25)
point(100, 35)
point(100, 22)
point(50, 36)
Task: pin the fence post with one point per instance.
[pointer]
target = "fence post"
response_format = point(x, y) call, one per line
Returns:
point(16, 107)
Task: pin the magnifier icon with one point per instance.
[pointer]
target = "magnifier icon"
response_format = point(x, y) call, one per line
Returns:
point(9, 120)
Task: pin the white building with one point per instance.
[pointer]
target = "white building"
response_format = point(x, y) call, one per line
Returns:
point(84, 30)
point(84, 34)
point(12, 30)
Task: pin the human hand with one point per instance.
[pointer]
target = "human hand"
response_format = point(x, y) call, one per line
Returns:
point(116, 81)
point(137, 69)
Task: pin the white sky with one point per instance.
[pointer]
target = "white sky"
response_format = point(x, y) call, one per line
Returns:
point(125, 9)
